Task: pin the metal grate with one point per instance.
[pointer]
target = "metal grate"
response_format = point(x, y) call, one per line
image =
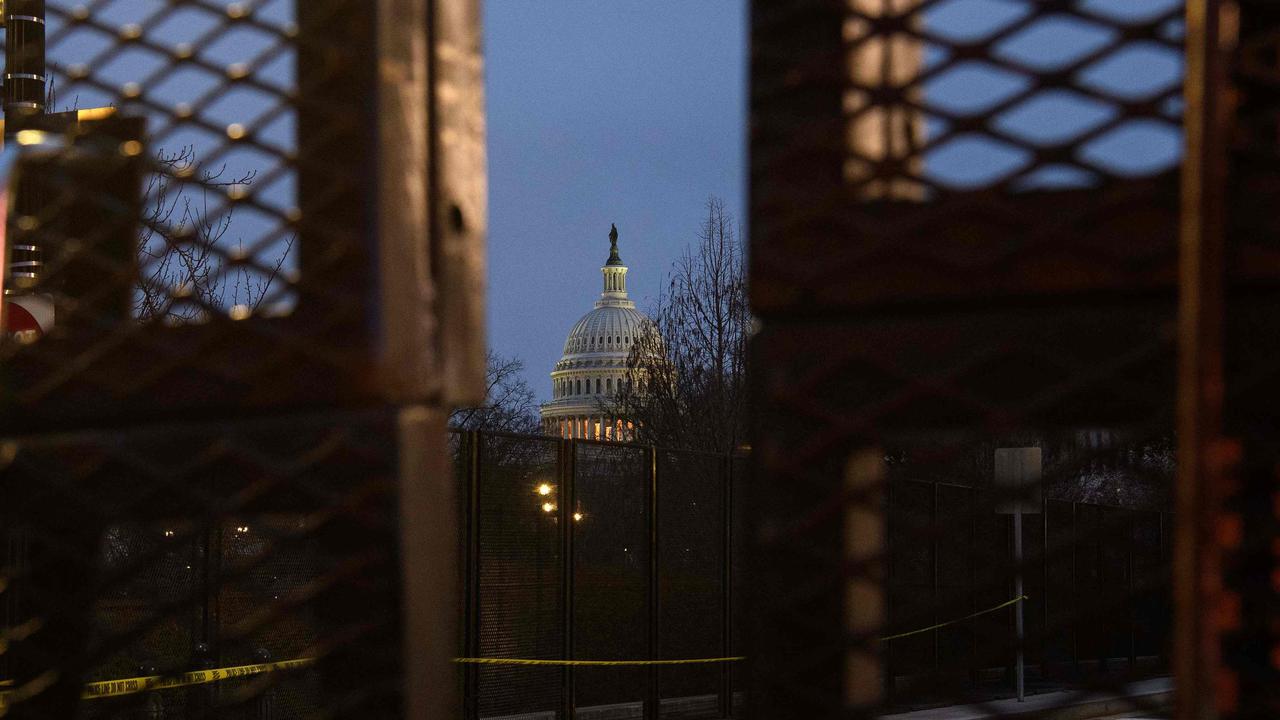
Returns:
point(694, 568)
point(960, 116)
point(249, 545)
point(227, 166)
point(519, 588)
point(611, 562)
point(973, 209)
point(1096, 578)
point(217, 83)
point(238, 275)
point(571, 558)
point(225, 450)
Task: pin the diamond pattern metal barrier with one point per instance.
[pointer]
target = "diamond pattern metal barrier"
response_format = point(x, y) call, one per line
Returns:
point(242, 545)
point(256, 270)
point(983, 214)
point(256, 223)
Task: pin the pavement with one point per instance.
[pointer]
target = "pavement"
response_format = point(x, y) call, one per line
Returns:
point(1135, 702)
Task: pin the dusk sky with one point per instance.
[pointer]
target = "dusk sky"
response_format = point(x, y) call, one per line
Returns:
point(634, 113)
point(629, 113)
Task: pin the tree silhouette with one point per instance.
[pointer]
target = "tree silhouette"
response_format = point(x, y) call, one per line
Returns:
point(183, 252)
point(509, 404)
point(686, 383)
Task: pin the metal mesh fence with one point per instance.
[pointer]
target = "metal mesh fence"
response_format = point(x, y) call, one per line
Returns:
point(973, 210)
point(1096, 580)
point(520, 581)
point(692, 567)
point(247, 547)
point(223, 235)
point(586, 551)
point(740, 472)
point(202, 515)
point(195, 207)
point(612, 601)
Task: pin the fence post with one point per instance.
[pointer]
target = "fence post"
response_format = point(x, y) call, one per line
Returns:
point(471, 686)
point(975, 507)
point(1075, 589)
point(726, 589)
point(568, 462)
point(1044, 588)
point(651, 707)
point(211, 617)
point(199, 697)
point(886, 648)
point(1133, 636)
point(1163, 627)
point(933, 545)
point(1097, 638)
point(264, 700)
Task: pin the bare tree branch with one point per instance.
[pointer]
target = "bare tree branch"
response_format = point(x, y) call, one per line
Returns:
point(188, 270)
point(509, 404)
point(686, 385)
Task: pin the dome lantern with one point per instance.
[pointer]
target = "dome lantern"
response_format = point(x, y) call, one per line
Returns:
point(615, 276)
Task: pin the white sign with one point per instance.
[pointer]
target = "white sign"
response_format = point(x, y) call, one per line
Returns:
point(1018, 479)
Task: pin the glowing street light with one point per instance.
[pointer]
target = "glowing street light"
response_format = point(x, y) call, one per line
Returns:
point(548, 507)
point(577, 517)
point(544, 489)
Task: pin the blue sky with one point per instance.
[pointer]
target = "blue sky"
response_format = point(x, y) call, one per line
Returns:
point(602, 112)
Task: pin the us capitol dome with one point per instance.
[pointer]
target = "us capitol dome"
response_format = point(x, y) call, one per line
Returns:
point(593, 367)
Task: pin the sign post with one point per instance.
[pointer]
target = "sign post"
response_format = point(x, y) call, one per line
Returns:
point(1018, 473)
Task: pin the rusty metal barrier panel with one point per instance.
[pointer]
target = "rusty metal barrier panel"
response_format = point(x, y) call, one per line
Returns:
point(966, 227)
point(244, 250)
point(1227, 554)
point(300, 214)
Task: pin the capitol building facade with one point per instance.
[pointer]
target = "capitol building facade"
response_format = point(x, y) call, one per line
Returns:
point(594, 366)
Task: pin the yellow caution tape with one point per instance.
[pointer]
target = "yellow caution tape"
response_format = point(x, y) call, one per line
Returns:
point(129, 686)
point(1001, 606)
point(110, 688)
point(524, 661)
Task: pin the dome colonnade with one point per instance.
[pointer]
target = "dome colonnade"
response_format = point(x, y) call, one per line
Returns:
point(594, 366)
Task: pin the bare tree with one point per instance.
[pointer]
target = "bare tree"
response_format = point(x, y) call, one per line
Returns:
point(687, 372)
point(183, 244)
point(509, 404)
